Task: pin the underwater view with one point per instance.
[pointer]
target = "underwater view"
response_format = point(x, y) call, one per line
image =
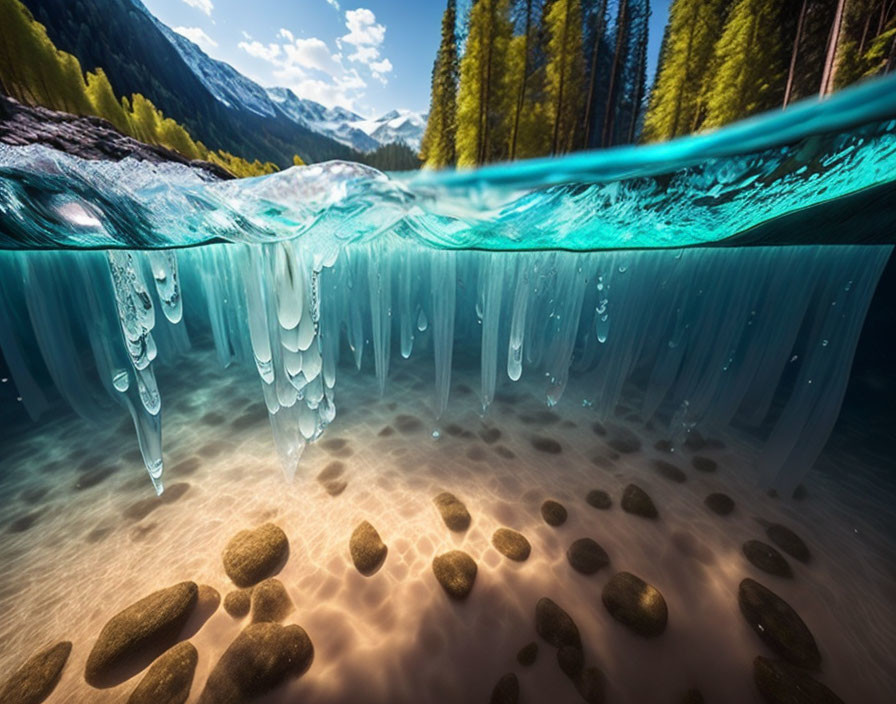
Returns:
point(575, 387)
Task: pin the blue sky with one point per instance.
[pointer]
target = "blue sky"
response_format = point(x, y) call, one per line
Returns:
point(367, 55)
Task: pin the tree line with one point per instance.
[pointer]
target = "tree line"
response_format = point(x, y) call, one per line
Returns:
point(523, 78)
point(526, 78)
point(34, 71)
point(722, 60)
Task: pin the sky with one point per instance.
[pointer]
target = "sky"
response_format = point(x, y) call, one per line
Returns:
point(370, 56)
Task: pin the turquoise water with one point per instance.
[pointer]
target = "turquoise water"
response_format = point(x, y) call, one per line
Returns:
point(712, 188)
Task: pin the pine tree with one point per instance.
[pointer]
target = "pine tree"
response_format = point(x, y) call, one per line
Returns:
point(104, 102)
point(437, 145)
point(482, 99)
point(691, 33)
point(627, 76)
point(565, 70)
point(520, 68)
point(751, 63)
point(596, 53)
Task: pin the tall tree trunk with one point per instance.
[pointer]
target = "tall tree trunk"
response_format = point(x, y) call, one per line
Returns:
point(563, 60)
point(592, 83)
point(788, 91)
point(830, 63)
point(891, 59)
point(621, 22)
point(521, 98)
point(639, 91)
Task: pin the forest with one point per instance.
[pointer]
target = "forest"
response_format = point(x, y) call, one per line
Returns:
point(523, 78)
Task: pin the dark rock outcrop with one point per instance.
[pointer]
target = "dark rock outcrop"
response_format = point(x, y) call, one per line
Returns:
point(86, 137)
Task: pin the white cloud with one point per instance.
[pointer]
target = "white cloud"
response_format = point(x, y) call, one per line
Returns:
point(313, 69)
point(260, 51)
point(197, 36)
point(363, 28)
point(202, 5)
point(333, 4)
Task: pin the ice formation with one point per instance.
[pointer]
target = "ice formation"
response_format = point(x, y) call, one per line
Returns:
point(560, 271)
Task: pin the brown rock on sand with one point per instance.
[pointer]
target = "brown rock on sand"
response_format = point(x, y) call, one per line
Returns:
point(270, 602)
point(511, 544)
point(262, 657)
point(778, 625)
point(456, 572)
point(507, 691)
point(636, 604)
point(527, 654)
point(555, 625)
point(453, 511)
point(367, 549)
point(553, 513)
point(145, 629)
point(252, 555)
point(635, 500)
point(169, 679)
point(238, 602)
point(782, 683)
point(36, 679)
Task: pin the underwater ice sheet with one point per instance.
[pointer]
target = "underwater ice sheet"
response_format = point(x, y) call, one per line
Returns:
point(580, 272)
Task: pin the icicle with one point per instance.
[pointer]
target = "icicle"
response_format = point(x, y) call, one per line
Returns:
point(443, 270)
point(518, 322)
point(380, 283)
point(164, 270)
point(493, 275)
point(407, 290)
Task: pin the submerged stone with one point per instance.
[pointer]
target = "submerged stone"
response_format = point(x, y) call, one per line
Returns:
point(527, 654)
point(553, 513)
point(766, 558)
point(555, 625)
point(456, 572)
point(788, 541)
point(778, 625)
point(141, 632)
point(719, 503)
point(669, 471)
point(599, 499)
point(453, 511)
point(252, 555)
point(507, 691)
point(238, 602)
point(169, 679)
point(547, 445)
point(591, 685)
point(571, 661)
point(624, 440)
point(35, 680)
point(704, 464)
point(367, 549)
point(511, 544)
point(782, 683)
point(635, 500)
point(270, 602)
point(636, 604)
point(262, 657)
point(586, 556)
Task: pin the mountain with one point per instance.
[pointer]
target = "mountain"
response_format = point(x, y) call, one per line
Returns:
point(214, 102)
point(396, 126)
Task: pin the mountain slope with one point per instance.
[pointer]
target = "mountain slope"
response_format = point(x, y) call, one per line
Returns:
point(396, 126)
point(121, 37)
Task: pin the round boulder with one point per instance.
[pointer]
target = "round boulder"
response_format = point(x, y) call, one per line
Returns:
point(507, 691)
point(636, 501)
point(511, 544)
point(453, 511)
point(778, 625)
point(781, 683)
point(719, 503)
point(270, 602)
point(367, 549)
point(599, 499)
point(456, 572)
point(253, 555)
point(238, 602)
point(527, 654)
point(555, 625)
point(788, 541)
point(586, 556)
point(636, 604)
point(553, 513)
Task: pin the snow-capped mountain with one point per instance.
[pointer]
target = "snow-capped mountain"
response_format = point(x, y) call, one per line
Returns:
point(396, 126)
point(236, 91)
point(336, 122)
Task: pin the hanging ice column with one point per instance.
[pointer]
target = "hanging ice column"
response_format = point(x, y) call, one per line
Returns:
point(759, 339)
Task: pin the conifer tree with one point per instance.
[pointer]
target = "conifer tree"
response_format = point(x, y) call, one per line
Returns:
point(482, 99)
point(437, 145)
point(693, 28)
point(564, 72)
point(596, 54)
point(751, 63)
point(520, 68)
point(104, 102)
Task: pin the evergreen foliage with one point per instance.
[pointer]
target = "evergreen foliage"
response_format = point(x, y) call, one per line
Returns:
point(437, 145)
point(483, 98)
point(33, 71)
point(565, 70)
point(750, 57)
